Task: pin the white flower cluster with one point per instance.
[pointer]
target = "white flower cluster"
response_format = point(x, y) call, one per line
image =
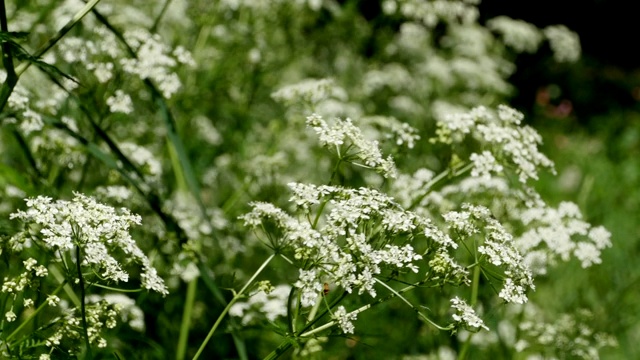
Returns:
point(18, 103)
point(120, 102)
point(24, 280)
point(271, 305)
point(98, 230)
point(498, 247)
point(144, 158)
point(98, 56)
point(99, 316)
point(309, 91)
point(567, 336)
point(394, 76)
point(345, 319)
point(509, 142)
point(345, 250)
point(484, 164)
point(564, 43)
point(392, 128)
point(344, 134)
point(556, 233)
point(431, 12)
point(407, 187)
point(266, 6)
point(520, 35)
point(154, 60)
point(126, 308)
point(466, 316)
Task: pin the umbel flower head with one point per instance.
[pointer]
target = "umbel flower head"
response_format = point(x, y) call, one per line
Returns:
point(99, 231)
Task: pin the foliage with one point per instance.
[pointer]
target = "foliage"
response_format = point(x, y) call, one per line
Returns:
point(367, 163)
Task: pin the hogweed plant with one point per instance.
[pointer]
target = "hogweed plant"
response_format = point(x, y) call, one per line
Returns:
point(305, 177)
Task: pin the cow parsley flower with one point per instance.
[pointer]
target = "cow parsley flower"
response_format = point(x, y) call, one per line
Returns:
point(560, 233)
point(345, 250)
point(498, 247)
point(512, 145)
point(271, 305)
point(120, 102)
point(344, 136)
point(564, 43)
point(345, 319)
point(10, 316)
point(518, 34)
point(466, 316)
point(484, 164)
point(100, 231)
point(309, 91)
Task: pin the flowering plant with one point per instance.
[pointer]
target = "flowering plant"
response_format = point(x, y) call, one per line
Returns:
point(369, 166)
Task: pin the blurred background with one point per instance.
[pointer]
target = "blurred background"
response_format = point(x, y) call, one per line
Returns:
point(589, 116)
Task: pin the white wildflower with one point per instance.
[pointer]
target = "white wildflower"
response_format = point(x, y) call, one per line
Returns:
point(272, 305)
point(10, 316)
point(31, 121)
point(53, 300)
point(344, 132)
point(465, 315)
point(310, 91)
point(98, 229)
point(564, 43)
point(520, 35)
point(345, 319)
point(310, 286)
point(120, 102)
point(513, 293)
point(144, 158)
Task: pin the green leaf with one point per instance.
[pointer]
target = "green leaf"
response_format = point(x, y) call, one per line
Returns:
point(12, 36)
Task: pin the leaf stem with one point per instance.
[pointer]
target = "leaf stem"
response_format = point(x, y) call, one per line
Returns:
point(186, 319)
point(233, 301)
point(83, 309)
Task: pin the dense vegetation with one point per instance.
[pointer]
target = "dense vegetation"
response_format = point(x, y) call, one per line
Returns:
point(306, 179)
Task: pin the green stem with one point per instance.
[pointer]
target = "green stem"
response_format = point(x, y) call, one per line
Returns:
point(186, 319)
point(82, 303)
point(233, 301)
point(156, 23)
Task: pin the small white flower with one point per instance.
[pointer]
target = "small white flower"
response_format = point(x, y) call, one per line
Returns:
point(345, 132)
point(345, 319)
point(120, 102)
point(307, 91)
point(10, 316)
point(564, 43)
point(53, 300)
point(518, 34)
point(513, 293)
point(465, 315)
point(484, 164)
